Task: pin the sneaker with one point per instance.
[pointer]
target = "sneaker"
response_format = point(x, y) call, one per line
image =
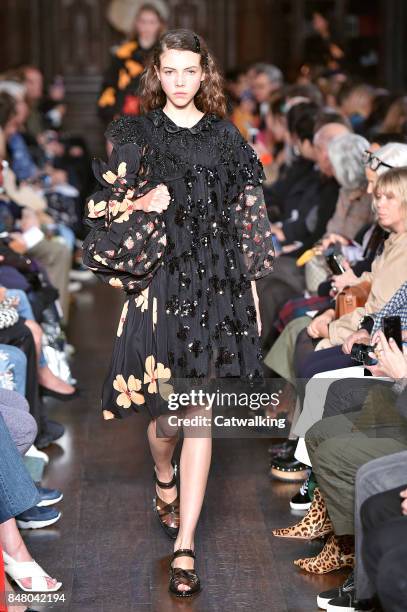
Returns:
point(289, 470)
point(36, 518)
point(325, 597)
point(282, 450)
point(81, 275)
point(348, 603)
point(34, 452)
point(74, 286)
point(50, 431)
point(49, 496)
point(302, 500)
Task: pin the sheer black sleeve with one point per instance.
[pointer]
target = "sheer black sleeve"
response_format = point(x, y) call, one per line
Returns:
point(246, 207)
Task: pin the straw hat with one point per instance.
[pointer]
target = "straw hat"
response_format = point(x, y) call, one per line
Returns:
point(121, 13)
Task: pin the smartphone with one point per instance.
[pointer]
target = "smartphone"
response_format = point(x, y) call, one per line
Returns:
point(392, 329)
point(335, 264)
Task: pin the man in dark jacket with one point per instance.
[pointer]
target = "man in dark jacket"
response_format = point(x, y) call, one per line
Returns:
point(314, 209)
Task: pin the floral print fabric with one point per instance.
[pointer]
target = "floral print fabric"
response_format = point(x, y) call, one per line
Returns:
point(193, 319)
point(125, 245)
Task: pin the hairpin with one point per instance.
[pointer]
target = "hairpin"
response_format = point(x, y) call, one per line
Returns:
point(197, 44)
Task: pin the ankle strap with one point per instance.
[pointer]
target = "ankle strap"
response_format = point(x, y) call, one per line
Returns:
point(183, 552)
point(167, 485)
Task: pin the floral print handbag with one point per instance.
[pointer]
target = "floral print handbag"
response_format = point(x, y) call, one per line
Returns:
point(125, 246)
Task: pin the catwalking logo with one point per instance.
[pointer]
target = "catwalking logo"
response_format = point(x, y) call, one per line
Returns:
point(222, 421)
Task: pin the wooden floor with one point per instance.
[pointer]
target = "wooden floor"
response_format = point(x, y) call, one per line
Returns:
point(108, 548)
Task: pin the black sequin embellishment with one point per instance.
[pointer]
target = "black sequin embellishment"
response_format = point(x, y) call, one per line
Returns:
point(195, 347)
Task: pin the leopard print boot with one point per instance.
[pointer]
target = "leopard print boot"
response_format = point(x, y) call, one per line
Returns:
point(315, 524)
point(338, 552)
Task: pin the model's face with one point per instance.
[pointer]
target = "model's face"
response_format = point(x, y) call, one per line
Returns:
point(147, 25)
point(181, 75)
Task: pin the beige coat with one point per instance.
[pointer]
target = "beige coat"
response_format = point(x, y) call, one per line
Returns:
point(353, 211)
point(389, 272)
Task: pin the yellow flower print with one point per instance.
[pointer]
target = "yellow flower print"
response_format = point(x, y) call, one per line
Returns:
point(116, 282)
point(128, 206)
point(154, 312)
point(159, 374)
point(122, 319)
point(111, 177)
point(126, 49)
point(107, 414)
point(124, 79)
point(115, 206)
point(134, 68)
point(96, 210)
point(142, 300)
point(107, 98)
point(128, 391)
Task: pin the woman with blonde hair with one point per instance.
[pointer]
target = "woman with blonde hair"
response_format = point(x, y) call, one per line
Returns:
point(181, 225)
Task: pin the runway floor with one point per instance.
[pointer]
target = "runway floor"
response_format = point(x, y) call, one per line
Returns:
point(108, 548)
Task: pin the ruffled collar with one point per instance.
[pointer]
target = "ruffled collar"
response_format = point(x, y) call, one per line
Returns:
point(159, 117)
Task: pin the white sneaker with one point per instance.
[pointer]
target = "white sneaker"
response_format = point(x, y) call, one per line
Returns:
point(81, 275)
point(34, 452)
point(74, 286)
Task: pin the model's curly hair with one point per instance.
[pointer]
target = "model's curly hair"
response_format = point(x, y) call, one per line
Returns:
point(210, 97)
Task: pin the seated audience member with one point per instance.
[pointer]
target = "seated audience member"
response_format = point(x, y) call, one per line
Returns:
point(384, 553)
point(266, 79)
point(288, 280)
point(356, 102)
point(380, 495)
point(354, 207)
point(389, 272)
point(294, 349)
point(390, 155)
point(285, 199)
point(396, 117)
point(338, 446)
point(55, 256)
point(18, 494)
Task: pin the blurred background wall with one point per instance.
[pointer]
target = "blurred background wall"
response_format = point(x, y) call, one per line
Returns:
point(72, 38)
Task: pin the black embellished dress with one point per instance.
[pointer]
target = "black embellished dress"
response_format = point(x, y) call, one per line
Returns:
point(189, 314)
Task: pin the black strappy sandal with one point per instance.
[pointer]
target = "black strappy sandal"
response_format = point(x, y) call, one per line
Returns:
point(167, 513)
point(182, 576)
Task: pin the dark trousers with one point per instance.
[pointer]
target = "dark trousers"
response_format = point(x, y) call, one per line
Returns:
point(384, 549)
point(274, 290)
point(309, 362)
point(20, 336)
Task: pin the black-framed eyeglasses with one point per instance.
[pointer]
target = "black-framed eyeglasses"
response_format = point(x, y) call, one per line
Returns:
point(374, 162)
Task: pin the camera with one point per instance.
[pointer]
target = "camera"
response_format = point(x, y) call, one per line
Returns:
point(391, 329)
point(360, 352)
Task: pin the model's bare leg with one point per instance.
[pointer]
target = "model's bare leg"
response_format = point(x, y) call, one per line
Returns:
point(194, 468)
point(162, 450)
